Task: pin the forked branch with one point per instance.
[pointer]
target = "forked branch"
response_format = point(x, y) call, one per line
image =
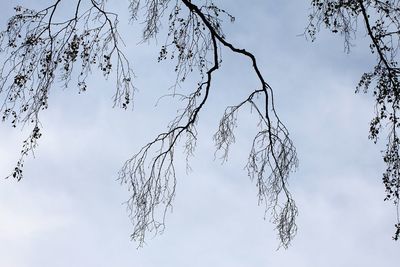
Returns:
point(41, 48)
point(272, 156)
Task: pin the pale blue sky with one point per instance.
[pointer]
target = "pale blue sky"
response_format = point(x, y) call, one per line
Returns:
point(67, 210)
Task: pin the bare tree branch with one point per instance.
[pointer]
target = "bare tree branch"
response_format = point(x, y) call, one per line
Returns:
point(42, 48)
point(272, 150)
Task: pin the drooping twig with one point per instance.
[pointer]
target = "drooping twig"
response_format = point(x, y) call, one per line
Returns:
point(272, 156)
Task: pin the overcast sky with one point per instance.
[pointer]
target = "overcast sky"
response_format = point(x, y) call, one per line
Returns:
point(68, 211)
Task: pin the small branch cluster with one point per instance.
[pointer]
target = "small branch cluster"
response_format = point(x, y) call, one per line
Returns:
point(271, 159)
point(39, 49)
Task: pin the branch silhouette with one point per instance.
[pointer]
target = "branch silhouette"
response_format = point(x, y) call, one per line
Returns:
point(382, 24)
point(41, 48)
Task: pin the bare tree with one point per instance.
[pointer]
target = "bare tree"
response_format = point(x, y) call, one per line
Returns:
point(38, 47)
point(381, 23)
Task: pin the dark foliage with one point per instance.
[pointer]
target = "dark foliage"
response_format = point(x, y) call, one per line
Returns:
point(381, 21)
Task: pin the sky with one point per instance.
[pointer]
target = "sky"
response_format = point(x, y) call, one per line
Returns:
point(68, 209)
